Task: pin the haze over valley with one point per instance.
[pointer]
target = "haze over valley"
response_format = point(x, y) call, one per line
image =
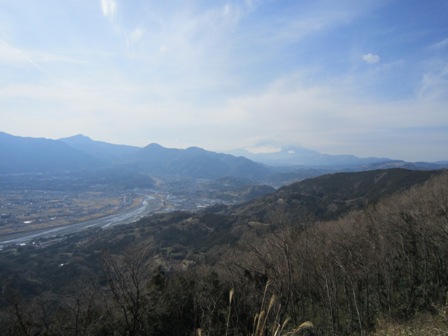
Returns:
point(49, 184)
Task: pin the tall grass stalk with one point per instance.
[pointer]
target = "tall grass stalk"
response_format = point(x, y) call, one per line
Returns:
point(261, 318)
point(230, 309)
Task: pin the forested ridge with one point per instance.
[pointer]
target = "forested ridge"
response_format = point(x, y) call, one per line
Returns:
point(379, 269)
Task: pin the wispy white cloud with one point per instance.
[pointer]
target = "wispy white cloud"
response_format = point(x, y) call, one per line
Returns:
point(434, 82)
point(15, 56)
point(108, 7)
point(136, 35)
point(439, 45)
point(44, 57)
point(11, 54)
point(371, 58)
point(249, 3)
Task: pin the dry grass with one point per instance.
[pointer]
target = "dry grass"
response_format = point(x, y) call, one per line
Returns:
point(269, 322)
point(421, 325)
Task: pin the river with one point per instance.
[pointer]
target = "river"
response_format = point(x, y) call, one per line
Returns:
point(149, 205)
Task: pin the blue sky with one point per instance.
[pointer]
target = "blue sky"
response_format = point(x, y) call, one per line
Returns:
point(368, 77)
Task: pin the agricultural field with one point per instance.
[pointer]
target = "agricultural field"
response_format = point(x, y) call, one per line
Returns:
point(28, 210)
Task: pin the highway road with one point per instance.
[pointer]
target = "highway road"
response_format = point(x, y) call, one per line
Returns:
point(149, 205)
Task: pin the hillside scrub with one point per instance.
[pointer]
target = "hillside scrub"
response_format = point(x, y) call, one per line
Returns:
point(389, 260)
point(381, 270)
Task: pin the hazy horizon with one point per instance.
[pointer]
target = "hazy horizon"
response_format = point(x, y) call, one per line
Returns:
point(364, 78)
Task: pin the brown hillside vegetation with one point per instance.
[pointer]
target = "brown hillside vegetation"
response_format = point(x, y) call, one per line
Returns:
point(330, 196)
point(378, 270)
point(388, 261)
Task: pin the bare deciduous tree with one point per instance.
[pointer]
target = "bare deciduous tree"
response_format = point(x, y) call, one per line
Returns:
point(128, 277)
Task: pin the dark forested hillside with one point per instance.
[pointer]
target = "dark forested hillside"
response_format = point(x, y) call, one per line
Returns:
point(330, 196)
point(377, 268)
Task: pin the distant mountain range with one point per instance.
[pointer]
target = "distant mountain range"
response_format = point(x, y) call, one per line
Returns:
point(79, 152)
point(300, 156)
point(196, 162)
point(297, 156)
point(34, 155)
point(101, 150)
point(38, 155)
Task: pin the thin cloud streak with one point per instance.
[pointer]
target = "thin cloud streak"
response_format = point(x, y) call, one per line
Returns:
point(440, 45)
